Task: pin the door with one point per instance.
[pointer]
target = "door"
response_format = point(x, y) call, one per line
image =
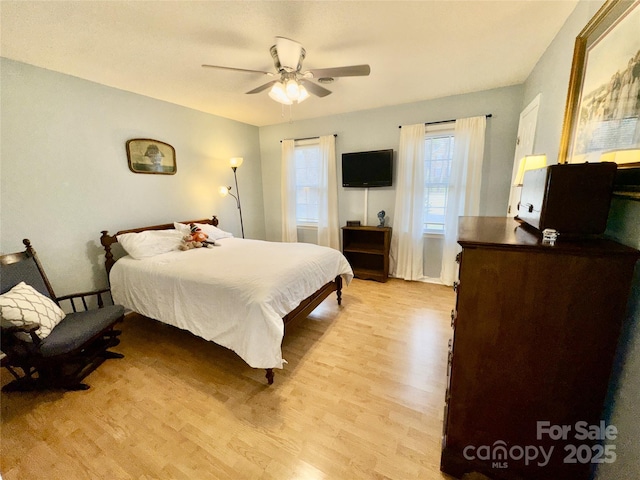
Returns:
point(524, 146)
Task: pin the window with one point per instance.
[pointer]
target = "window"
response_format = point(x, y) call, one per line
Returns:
point(437, 168)
point(307, 158)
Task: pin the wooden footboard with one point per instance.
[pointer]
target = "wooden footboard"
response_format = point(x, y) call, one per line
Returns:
point(306, 307)
point(311, 302)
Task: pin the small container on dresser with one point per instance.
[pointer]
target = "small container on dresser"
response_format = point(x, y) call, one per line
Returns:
point(535, 331)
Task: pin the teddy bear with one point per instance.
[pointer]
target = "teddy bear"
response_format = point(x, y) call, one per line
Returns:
point(195, 239)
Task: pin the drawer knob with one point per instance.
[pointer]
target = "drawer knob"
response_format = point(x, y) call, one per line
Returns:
point(456, 285)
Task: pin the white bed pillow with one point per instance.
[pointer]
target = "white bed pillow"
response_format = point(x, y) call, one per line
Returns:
point(24, 304)
point(214, 232)
point(183, 228)
point(150, 242)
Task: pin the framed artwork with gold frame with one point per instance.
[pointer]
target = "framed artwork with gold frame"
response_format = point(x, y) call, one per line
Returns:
point(151, 156)
point(603, 105)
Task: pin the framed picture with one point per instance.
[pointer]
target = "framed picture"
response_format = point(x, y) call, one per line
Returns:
point(602, 113)
point(151, 156)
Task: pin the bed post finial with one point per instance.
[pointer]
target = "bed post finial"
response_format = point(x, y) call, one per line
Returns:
point(214, 220)
point(27, 243)
point(106, 240)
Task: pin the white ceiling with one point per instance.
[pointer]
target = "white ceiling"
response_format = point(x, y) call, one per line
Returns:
point(417, 50)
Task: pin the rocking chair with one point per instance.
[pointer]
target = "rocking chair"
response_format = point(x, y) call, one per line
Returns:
point(74, 347)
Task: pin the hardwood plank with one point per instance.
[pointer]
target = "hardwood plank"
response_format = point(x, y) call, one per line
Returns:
point(361, 397)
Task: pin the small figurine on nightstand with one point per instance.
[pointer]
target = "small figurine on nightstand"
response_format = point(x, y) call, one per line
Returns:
point(381, 218)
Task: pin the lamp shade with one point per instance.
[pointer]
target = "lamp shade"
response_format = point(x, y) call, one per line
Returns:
point(223, 191)
point(303, 94)
point(529, 162)
point(236, 161)
point(581, 158)
point(278, 94)
point(292, 89)
point(621, 156)
point(288, 93)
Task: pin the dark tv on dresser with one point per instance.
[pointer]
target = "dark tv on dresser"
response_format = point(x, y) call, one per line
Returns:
point(367, 169)
point(573, 199)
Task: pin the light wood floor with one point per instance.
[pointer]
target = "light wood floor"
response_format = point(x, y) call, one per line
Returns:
point(361, 397)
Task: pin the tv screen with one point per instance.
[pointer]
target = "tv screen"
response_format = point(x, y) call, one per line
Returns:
point(367, 169)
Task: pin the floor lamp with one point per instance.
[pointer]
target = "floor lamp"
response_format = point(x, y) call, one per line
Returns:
point(235, 162)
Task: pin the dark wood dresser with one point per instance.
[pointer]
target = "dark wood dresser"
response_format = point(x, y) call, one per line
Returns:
point(535, 331)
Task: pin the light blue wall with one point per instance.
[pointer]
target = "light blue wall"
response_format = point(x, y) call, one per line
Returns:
point(551, 78)
point(378, 129)
point(623, 407)
point(64, 173)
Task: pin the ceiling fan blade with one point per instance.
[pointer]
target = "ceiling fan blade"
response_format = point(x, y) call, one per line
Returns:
point(262, 88)
point(350, 71)
point(239, 69)
point(289, 52)
point(315, 89)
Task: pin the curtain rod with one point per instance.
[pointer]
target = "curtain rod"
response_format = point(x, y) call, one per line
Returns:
point(308, 138)
point(488, 115)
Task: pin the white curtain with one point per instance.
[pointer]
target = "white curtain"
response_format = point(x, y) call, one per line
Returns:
point(328, 225)
point(407, 239)
point(465, 182)
point(288, 192)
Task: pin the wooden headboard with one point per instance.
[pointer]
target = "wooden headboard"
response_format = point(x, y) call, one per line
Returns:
point(107, 240)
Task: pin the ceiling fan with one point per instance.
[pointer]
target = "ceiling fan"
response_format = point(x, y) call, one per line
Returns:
point(294, 85)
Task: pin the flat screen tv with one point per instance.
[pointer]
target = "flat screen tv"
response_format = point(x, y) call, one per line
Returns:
point(367, 169)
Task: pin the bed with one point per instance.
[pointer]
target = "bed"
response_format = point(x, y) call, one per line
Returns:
point(242, 294)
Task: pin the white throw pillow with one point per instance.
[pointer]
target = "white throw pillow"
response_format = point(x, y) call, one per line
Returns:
point(183, 228)
point(24, 304)
point(214, 232)
point(150, 242)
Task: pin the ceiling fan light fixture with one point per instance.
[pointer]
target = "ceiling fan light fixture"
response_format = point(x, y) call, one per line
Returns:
point(292, 85)
point(290, 54)
point(279, 94)
point(303, 94)
point(293, 90)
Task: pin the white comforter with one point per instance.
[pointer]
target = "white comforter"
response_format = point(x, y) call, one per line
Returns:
point(234, 294)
